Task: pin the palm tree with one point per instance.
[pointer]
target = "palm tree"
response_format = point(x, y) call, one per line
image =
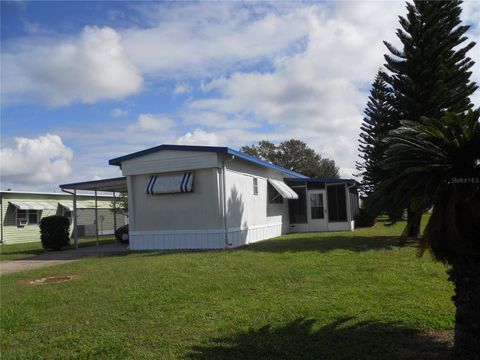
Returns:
point(436, 162)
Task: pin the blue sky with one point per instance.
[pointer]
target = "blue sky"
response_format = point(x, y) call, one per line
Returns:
point(83, 82)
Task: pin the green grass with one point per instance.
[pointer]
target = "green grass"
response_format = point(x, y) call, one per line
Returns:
point(303, 296)
point(24, 250)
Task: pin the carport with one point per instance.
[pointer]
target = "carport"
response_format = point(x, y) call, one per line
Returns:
point(113, 185)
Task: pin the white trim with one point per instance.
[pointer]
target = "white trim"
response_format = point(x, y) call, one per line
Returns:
point(253, 227)
point(176, 232)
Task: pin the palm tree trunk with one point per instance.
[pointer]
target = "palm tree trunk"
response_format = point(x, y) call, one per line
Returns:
point(414, 218)
point(465, 274)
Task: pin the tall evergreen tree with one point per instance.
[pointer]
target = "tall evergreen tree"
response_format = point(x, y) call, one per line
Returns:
point(378, 121)
point(431, 74)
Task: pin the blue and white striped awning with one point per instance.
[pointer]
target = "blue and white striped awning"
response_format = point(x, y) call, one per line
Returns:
point(170, 184)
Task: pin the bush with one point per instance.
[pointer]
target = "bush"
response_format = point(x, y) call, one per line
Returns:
point(364, 219)
point(121, 234)
point(54, 232)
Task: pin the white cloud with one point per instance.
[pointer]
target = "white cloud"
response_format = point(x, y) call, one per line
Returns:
point(41, 160)
point(118, 112)
point(200, 137)
point(316, 95)
point(153, 123)
point(182, 89)
point(198, 39)
point(89, 68)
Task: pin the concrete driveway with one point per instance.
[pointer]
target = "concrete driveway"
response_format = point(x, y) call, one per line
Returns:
point(60, 257)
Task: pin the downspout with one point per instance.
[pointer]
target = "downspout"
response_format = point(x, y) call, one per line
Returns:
point(349, 203)
point(224, 198)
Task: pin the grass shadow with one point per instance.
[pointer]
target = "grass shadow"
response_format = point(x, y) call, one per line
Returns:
point(342, 339)
point(326, 244)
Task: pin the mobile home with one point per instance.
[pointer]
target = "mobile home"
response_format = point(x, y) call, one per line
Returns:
point(21, 212)
point(203, 197)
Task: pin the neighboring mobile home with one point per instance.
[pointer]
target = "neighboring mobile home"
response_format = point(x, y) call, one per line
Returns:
point(21, 212)
point(203, 197)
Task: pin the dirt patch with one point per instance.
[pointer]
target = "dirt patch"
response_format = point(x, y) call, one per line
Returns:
point(49, 280)
point(428, 345)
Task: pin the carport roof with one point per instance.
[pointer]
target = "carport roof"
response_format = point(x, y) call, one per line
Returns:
point(118, 184)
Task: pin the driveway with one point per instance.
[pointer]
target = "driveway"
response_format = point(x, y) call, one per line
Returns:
point(60, 257)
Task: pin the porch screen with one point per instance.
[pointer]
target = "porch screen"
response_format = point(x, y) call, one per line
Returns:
point(170, 184)
point(337, 205)
point(297, 209)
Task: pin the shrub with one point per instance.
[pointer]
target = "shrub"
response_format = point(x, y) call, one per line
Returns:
point(364, 219)
point(54, 232)
point(121, 234)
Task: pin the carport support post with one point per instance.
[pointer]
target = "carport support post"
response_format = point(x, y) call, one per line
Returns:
point(75, 230)
point(114, 213)
point(96, 217)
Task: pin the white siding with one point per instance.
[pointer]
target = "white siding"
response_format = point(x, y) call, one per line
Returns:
point(169, 161)
point(251, 218)
point(183, 211)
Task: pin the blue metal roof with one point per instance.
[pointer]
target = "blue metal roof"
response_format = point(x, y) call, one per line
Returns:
point(216, 149)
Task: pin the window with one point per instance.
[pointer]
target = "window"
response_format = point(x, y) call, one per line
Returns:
point(337, 206)
point(316, 206)
point(274, 196)
point(32, 217)
point(255, 186)
point(21, 217)
point(26, 217)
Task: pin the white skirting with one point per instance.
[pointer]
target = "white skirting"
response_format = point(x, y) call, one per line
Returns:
point(204, 239)
point(250, 234)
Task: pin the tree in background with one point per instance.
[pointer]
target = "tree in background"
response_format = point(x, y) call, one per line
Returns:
point(121, 204)
point(294, 155)
point(378, 121)
point(437, 162)
point(430, 75)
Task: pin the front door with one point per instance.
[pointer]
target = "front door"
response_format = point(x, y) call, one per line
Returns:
point(317, 211)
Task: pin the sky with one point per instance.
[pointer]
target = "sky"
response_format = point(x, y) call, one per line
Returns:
point(84, 82)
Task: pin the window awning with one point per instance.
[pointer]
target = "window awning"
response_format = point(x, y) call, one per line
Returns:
point(33, 205)
point(80, 205)
point(170, 184)
point(283, 189)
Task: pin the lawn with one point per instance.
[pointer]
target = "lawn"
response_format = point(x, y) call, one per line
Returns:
point(304, 296)
point(24, 250)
